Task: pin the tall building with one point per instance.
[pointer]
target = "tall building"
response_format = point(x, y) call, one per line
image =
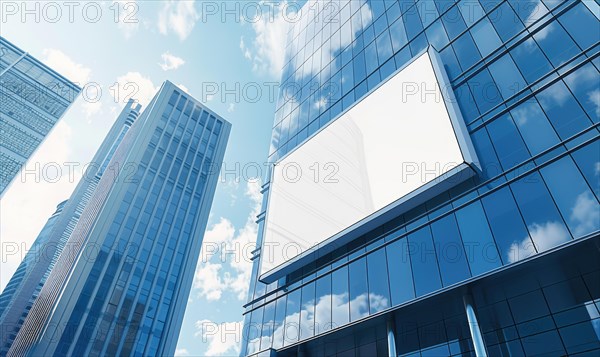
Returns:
point(32, 99)
point(464, 218)
point(25, 285)
point(123, 285)
point(14, 306)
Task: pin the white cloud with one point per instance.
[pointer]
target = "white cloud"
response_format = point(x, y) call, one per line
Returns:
point(525, 112)
point(208, 281)
point(537, 12)
point(63, 64)
point(134, 85)
point(245, 50)
point(548, 235)
point(594, 98)
point(586, 77)
point(170, 62)
point(181, 352)
point(221, 232)
point(222, 338)
point(320, 103)
point(585, 214)
point(556, 94)
point(267, 52)
point(91, 108)
point(225, 255)
point(128, 21)
point(231, 108)
point(91, 100)
point(178, 17)
point(521, 250)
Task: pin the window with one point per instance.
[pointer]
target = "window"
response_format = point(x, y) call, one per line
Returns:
point(529, 10)
point(486, 154)
point(401, 279)
point(359, 300)
point(292, 318)
point(398, 35)
point(359, 67)
point(507, 76)
point(507, 226)
point(255, 330)
point(573, 197)
point(578, 21)
point(587, 159)
point(384, 47)
point(581, 337)
point(323, 306)
point(380, 24)
point(424, 262)
point(453, 22)
point(307, 313)
point(485, 37)
point(508, 143)
point(418, 44)
point(563, 111)
point(379, 289)
point(432, 339)
point(450, 251)
point(278, 325)
point(505, 21)
point(339, 299)
point(544, 223)
point(547, 343)
point(412, 22)
point(371, 57)
point(530, 60)
point(484, 91)
point(471, 11)
point(583, 83)
point(480, 247)
point(534, 126)
point(437, 35)
point(450, 62)
point(556, 43)
point(428, 11)
point(466, 103)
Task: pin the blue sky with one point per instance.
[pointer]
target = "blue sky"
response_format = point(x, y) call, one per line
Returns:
point(194, 45)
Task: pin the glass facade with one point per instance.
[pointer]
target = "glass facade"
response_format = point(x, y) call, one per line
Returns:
point(24, 286)
point(125, 289)
point(525, 75)
point(32, 99)
point(30, 277)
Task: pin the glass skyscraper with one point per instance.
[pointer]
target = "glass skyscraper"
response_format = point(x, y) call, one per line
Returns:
point(32, 99)
point(22, 289)
point(122, 286)
point(506, 263)
point(25, 285)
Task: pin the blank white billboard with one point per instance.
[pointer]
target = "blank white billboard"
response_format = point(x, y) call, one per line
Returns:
point(397, 147)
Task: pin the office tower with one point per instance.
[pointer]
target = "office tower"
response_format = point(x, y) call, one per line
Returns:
point(494, 248)
point(32, 99)
point(10, 315)
point(25, 285)
point(124, 289)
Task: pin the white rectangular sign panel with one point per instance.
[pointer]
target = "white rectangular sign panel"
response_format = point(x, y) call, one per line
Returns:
point(400, 145)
